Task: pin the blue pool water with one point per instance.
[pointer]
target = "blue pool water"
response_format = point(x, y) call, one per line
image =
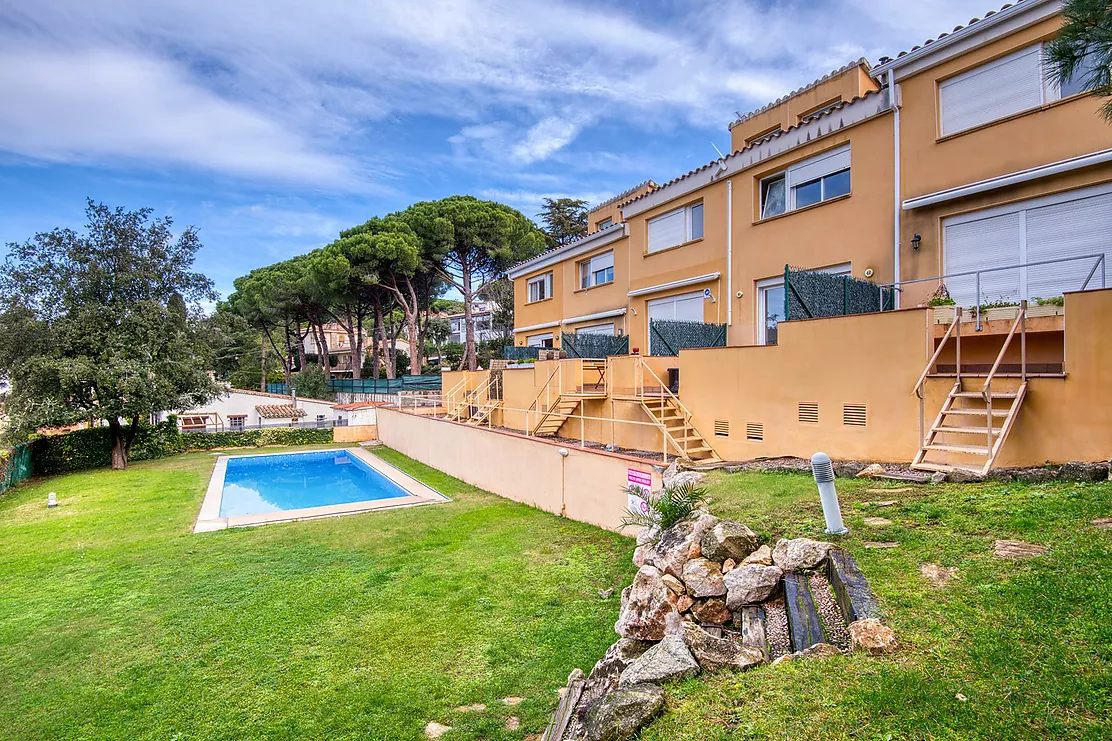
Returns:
point(275, 483)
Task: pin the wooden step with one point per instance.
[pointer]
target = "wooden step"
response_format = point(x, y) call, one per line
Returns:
point(979, 395)
point(971, 449)
point(967, 430)
point(978, 412)
point(943, 467)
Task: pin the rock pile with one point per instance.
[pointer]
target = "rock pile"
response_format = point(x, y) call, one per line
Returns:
point(708, 596)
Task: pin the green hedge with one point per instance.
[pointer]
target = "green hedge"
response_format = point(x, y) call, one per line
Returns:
point(92, 448)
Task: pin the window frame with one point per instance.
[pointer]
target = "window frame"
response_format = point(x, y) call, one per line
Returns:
point(688, 210)
point(545, 280)
point(237, 421)
point(586, 280)
point(544, 337)
point(790, 187)
point(605, 223)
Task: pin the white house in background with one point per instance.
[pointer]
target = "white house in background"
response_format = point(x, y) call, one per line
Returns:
point(360, 412)
point(240, 409)
point(482, 318)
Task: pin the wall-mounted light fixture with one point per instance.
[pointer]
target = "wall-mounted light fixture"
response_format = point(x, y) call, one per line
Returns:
point(915, 242)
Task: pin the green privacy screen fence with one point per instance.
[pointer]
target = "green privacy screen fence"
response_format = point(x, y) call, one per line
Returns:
point(668, 337)
point(593, 346)
point(14, 467)
point(511, 352)
point(812, 294)
point(371, 385)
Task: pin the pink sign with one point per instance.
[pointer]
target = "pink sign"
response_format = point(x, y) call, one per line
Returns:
point(640, 486)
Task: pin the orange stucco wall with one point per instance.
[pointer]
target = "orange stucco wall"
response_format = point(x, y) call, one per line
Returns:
point(929, 163)
point(844, 86)
point(584, 485)
point(613, 209)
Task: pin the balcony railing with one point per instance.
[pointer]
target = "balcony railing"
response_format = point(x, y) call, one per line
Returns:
point(1098, 267)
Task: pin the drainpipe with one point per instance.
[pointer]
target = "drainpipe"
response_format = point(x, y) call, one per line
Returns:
point(894, 103)
point(729, 253)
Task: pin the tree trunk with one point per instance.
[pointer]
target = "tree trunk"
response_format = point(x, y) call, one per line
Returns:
point(416, 345)
point(353, 344)
point(262, 365)
point(359, 351)
point(470, 362)
point(119, 445)
point(322, 347)
point(301, 358)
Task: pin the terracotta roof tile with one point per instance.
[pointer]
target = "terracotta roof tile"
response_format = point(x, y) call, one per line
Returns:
point(280, 411)
point(360, 405)
point(766, 138)
point(862, 62)
point(624, 194)
point(972, 21)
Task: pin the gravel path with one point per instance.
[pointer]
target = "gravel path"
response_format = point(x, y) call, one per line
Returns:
point(776, 628)
point(833, 624)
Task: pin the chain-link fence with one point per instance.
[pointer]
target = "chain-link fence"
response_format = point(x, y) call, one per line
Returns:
point(811, 294)
point(668, 337)
point(594, 346)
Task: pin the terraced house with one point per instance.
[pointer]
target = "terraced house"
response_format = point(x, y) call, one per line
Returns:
point(952, 185)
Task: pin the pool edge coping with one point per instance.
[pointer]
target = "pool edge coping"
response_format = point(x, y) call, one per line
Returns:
point(209, 519)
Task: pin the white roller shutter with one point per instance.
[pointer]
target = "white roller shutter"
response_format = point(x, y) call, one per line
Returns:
point(979, 244)
point(1053, 227)
point(597, 329)
point(667, 230)
point(1070, 229)
point(992, 91)
point(813, 169)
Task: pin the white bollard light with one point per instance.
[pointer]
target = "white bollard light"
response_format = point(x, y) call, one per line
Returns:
point(823, 470)
point(51, 500)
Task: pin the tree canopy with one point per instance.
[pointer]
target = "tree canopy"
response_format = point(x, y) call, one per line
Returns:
point(565, 219)
point(1082, 51)
point(106, 324)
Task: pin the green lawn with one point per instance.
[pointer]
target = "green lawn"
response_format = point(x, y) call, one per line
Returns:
point(117, 622)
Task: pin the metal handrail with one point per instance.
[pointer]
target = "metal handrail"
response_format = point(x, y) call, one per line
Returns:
point(1020, 322)
point(1097, 257)
point(918, 390)
point(535, 406)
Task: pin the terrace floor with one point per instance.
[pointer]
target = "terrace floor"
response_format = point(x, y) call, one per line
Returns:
point(116, 622)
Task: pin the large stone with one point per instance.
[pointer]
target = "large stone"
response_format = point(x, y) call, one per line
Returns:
point(963, 476)
point(673, 476)
point(870, 471)
point(872, 636)
point(727, 652)
point(712, 611)
point(1088, 472)
point(729, 540)
point(435, 730)
point(674, 584)
point(799, 553)
point(1035, 475)
point(819, 651)
point(938, 575)
point(679, 543)
point(762, 555)
point(667, 661)
point(848, 469)
point(1017, 550)
point(608, 670)
point(646, 605)
point(621, 714)
point(703, 578)
point(751, 583)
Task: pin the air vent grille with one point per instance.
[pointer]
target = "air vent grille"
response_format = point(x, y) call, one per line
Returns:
point(721, 428)
point(754, 431)
point(854, 415)
point(809, 412)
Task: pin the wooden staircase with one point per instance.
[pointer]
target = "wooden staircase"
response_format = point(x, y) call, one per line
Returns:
point(553, 419)
point(973, 424)
point(482, 413)
point(675, 423)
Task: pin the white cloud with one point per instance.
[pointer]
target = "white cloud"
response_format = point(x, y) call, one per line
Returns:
point(306, 90)
point(99, 105)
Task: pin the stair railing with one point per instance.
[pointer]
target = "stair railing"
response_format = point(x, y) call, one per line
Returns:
point(1020, 324)
point(450, 405)
point(667, 393)
point(955, 330)
point(546, 392)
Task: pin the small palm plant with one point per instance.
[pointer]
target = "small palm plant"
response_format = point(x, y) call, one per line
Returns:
point(666, 507)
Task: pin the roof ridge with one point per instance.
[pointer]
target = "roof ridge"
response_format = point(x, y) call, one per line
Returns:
point(766, 138)
point(939, 37)
point(860, 61)
point(572, 243)
point(624, 194)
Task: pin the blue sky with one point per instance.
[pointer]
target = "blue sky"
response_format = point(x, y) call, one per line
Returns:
point(271, 125)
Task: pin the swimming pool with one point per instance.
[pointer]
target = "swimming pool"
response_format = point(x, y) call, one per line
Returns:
point(257, 489)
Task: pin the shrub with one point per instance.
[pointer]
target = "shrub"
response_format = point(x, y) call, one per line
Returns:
point(667, 506)
point(92, 448)
point(312, 383)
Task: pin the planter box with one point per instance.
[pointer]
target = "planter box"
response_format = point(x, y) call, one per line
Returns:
point(1049, 310)
point(520, 365)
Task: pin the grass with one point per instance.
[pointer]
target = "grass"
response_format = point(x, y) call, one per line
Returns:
point(117, 622)
point(1028, 645)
